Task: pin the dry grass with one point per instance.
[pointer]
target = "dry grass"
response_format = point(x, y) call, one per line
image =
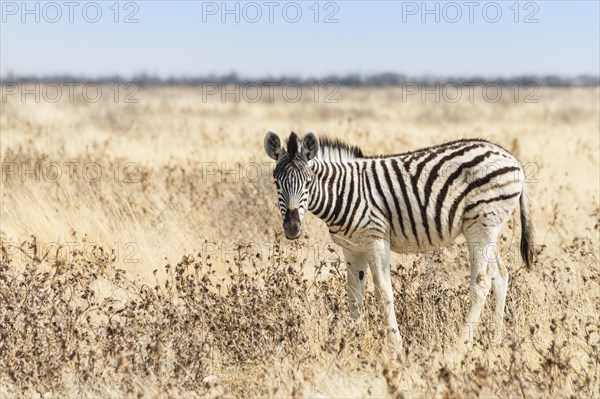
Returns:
point(169, 278)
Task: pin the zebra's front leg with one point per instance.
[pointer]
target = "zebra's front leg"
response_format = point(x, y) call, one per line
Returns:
point(356, 264)
point(378, 257)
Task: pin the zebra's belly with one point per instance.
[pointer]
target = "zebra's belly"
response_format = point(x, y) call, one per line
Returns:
point(401, 244)
point(360, 239)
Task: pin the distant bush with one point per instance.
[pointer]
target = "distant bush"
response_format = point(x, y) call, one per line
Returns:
point(386, 79)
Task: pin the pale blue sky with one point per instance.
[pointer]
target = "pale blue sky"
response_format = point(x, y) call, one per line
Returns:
point(185, 38)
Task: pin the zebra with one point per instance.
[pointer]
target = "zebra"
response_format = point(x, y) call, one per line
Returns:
point(408, 202)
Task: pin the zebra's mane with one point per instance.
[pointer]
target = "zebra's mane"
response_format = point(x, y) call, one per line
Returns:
point(335, 150)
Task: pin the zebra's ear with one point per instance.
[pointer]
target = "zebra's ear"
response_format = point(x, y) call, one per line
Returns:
point(273, 145)
point(310, 145)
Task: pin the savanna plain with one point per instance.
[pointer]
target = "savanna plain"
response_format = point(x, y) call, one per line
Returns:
point(142, 253)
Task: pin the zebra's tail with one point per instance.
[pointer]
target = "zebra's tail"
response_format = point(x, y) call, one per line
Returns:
point(526, 230)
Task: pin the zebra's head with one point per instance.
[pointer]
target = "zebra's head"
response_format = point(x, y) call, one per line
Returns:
point(293, 177)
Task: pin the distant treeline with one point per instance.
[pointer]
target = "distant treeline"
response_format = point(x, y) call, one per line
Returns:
point(352, 80)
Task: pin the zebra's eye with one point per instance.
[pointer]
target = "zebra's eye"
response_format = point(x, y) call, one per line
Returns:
point(307, 184)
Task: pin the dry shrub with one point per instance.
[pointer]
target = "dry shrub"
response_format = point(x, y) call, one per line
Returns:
point(264, 315)
point(178, 331)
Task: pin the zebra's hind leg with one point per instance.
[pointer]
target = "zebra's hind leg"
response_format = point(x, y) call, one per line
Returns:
point(481, 242)
point(499, 289)
point(356, 264)
point(378, 257)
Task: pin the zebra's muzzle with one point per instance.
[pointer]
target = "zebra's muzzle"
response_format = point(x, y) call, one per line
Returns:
point(292, 224)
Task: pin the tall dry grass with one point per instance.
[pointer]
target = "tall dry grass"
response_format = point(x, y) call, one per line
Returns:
point(168, 276)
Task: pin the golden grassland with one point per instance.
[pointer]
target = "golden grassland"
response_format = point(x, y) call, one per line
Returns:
point(142, 253)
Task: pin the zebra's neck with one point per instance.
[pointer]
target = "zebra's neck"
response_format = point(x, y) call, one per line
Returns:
point(325, 200)
point(327, 168)
point(329, 171)
point(318, 194)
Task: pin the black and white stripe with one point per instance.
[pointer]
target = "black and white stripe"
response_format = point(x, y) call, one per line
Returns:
point(421, 197)
point(405, 202)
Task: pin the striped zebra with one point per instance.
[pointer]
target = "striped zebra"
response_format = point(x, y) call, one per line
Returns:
point(411, 202)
